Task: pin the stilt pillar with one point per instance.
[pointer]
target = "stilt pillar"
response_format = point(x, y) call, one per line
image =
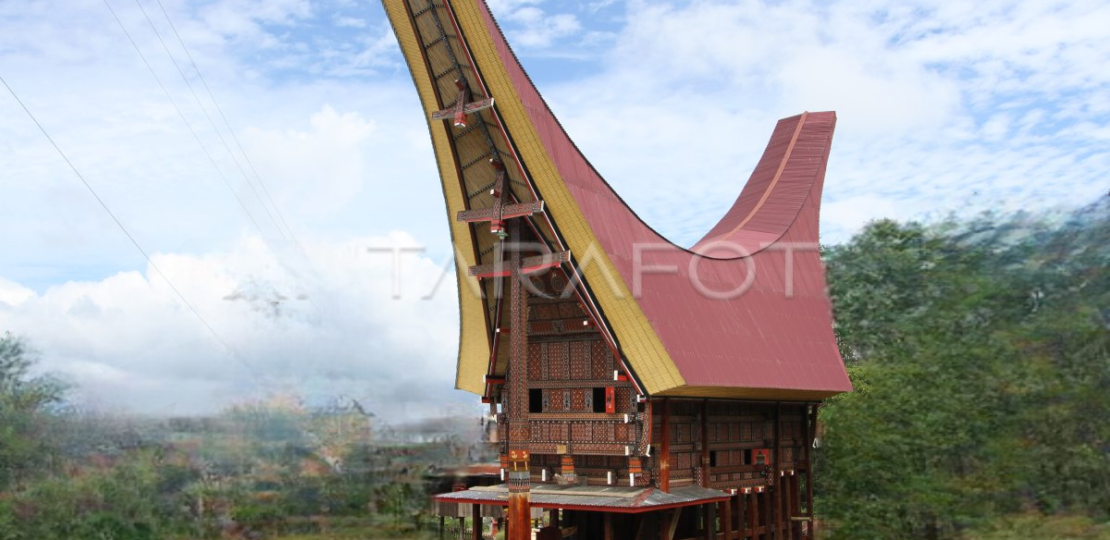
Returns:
point(476, 518)
point(520, 486)
point(726, 519)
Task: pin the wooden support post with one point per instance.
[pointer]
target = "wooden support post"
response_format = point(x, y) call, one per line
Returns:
point(665, 452)
point(520, 482)
point(476, 517)
point(795, 508)
point(811, 435)
point(739, 513)
point(776, 470)
point(669, 524)
point(462, 528)
point(726, 519)
point(753, 516)
point(440, 527)
point(711, 521)
point(608, 526)
point(787, 503)
point(768, 518)
point(705, 469)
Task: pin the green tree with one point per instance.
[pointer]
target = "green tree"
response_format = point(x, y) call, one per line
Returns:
point(25, 401)
point(979, 355)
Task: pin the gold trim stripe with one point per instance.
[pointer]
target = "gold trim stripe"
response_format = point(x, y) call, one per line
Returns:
point(638, 340)
point(474, 348)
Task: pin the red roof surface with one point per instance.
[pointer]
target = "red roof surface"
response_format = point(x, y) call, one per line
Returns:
point(778, 333)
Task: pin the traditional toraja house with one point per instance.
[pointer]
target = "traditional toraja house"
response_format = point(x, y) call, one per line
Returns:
point(642, 390)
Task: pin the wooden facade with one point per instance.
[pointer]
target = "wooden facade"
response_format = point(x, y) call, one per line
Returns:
point(624, 411)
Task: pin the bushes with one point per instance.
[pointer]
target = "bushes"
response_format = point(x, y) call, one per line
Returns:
point(120, 503)
point(981, 362)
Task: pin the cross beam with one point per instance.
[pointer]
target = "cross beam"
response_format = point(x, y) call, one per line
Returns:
point(528, 265)
point(463, 106)
point(499, 212)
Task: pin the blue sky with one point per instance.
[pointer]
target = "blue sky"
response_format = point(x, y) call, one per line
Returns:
point(943, 108)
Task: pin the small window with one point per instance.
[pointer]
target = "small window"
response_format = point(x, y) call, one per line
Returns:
point(535, 400)
point(712, 458)
point(599, 400)
point(748, 457)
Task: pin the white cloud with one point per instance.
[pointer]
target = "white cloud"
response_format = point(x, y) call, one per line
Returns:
point(993, 105)
point(349, 22)
point(331, 328)
point(530, 26)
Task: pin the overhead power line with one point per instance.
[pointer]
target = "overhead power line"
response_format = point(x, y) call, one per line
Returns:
point(219, 109)
point(129, 236)
point(184, 119)
point(204, 109)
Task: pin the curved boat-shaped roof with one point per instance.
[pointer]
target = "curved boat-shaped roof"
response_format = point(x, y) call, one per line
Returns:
point(743, 314)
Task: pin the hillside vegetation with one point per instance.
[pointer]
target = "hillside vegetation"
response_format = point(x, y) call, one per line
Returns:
point(980, 355)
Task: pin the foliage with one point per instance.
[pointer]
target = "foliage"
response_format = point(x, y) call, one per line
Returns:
point(24, 402)
point(980, 360)
point(135, 500)
point(1023, 527)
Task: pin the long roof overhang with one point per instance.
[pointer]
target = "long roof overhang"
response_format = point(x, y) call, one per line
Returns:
point(743, 314)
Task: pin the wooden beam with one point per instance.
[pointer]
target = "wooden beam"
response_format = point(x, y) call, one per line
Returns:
point(669, 524)
point(476, 518)
point(706, 469)
point(711, 521)
point(811, 435)
point(795, 508)
point(529, 265)
point(665, 452)
point(739, 513)
point(768, 518)
point(753, 515)
point(726, 518)
point(776, 470)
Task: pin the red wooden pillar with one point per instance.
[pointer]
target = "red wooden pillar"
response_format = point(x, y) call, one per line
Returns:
point(520, 504)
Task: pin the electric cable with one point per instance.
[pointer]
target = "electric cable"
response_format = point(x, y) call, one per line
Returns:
point(130, 237)
point(184, 119)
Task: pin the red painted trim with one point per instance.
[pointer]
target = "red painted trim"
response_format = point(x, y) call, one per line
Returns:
point(589, 508)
